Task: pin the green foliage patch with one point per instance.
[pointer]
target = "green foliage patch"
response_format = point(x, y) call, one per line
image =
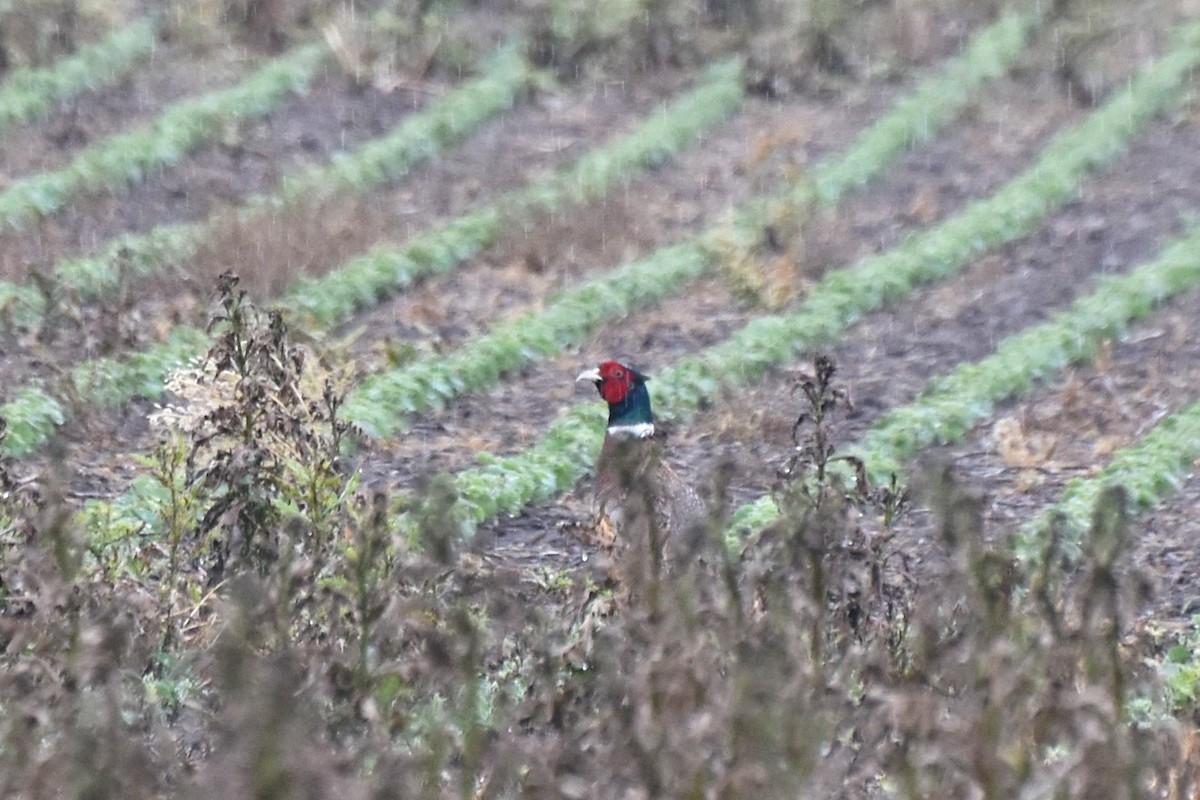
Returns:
point(953, 403)
point(366, 280)
point(379, 404)
point(30, 94)
point(562, 456)
point(126, 158)
point(32, 416)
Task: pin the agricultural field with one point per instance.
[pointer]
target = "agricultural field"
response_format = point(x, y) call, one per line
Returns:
point(296, 477)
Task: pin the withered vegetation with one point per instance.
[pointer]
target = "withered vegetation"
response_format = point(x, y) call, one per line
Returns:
point(271, 634)
point(266, 629)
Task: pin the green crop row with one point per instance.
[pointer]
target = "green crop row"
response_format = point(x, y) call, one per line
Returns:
point(125, 158)
point(938, 99)
point(363, 282)
point(420, 137)
point(379, 402)
point(378, 405)
point(562, 455)
point(111, 381)
point(31, 416)
point(29, 94)
point(383, 399)
point(953, 403)
point(1148, 470)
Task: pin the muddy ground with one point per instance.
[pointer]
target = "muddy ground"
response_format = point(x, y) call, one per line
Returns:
point(1021, 458)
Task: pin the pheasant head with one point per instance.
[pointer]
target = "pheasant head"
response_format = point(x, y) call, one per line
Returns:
point(624, 389)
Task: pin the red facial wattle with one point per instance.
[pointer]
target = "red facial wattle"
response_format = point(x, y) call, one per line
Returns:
point(614, 390)
point(615, 382)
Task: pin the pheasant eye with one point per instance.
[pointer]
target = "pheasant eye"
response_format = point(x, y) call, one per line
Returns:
point(618, 373)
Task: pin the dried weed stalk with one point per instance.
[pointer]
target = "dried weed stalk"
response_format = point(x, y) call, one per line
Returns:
point(813, 661)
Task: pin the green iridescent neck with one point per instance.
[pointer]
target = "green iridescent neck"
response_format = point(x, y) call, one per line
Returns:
point(633, 413)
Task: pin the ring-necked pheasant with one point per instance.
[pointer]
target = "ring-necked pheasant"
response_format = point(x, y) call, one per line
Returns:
point(638, 499)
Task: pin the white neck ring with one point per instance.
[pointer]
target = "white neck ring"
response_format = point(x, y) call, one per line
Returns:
point(640, 430)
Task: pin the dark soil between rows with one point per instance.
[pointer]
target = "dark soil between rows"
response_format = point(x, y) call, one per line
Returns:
point(541, 135)
point(1120, 217)
point(353, 661)
point(304, 130)
point(929, 183)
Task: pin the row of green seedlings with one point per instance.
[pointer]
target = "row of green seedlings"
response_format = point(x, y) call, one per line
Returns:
point(338, 570)
point(952, 404)
point(30, 94)
point(1088, 530)
point(420, 137)
point(1064, 533)
point(34, 413)
point(1149, 471)
point(380, 404)
point(123, 159)
point(505, 485)
point(562, 455)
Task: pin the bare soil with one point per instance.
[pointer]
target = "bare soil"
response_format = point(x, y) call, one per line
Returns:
point(1121, 216)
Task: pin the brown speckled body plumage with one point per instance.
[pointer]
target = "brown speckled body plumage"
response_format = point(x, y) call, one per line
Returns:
point(638, 499)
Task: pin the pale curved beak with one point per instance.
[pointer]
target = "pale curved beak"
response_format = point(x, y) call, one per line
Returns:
point(592, 375)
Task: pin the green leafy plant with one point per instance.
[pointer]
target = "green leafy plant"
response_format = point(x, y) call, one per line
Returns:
point(505, 485)
point(125, 158)
point(32, 416)
point(179, 514)
point(1148, 471)
point(368, 566)
point(19, 501)
point(366, 280)
point(1180, 668)
point(30, 94)
point(951, 404)
point(379, 404)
